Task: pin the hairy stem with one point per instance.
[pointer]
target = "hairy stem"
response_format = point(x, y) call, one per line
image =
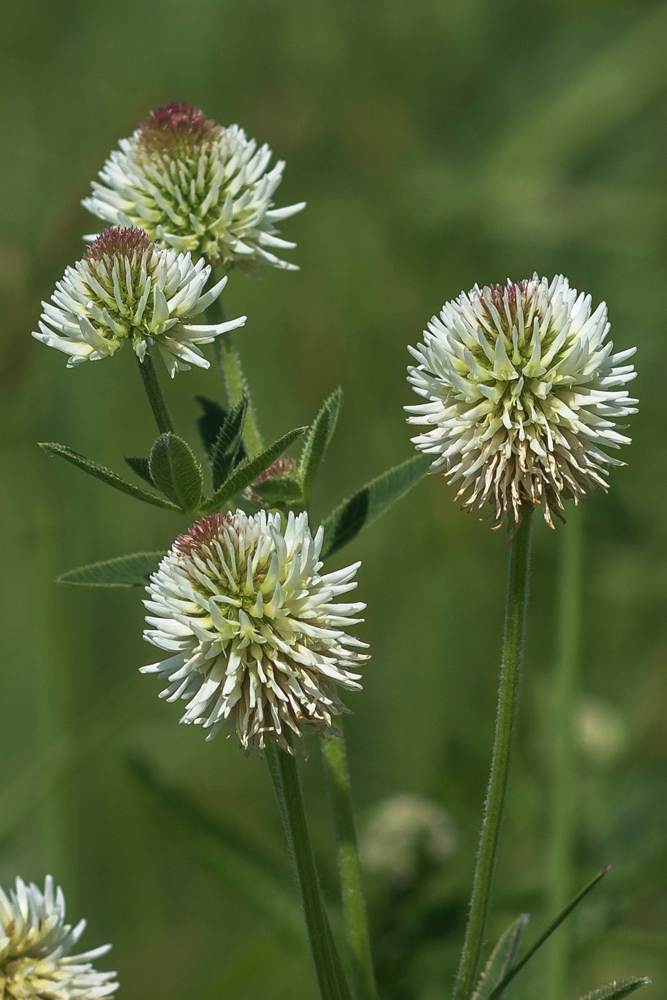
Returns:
point(328, 968)
point(508, 701)
point(354, 904)
point(564, 800)
point(156, 398)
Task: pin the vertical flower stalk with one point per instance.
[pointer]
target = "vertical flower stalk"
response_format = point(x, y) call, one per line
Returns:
point(354, 905)
point(564, 796)
point(508, 703)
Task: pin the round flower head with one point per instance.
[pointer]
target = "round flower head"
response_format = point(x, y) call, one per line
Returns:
point(35, 946)
point(129, 288)
point(196, 187)
point(522, 393)
point(253, 636)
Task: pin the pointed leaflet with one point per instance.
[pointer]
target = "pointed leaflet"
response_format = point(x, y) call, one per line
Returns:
point(224, 454)
point(176, 472)
point(141, 467)
point(318, 436)
point(123, 571)
point(276, 489)
point(105, 475)
point(227, 854)
point(614, 991)
point(372, 500)
point(501, 959)
point(247, 471)
point(210, 422)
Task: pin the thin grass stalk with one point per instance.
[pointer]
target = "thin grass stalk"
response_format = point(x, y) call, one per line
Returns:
point(287, 785)
point(564, 802)
point(155, 394)
point(334, 752)
point(494, 806)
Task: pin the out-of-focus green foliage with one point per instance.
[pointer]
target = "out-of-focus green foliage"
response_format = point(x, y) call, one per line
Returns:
point(438, 145)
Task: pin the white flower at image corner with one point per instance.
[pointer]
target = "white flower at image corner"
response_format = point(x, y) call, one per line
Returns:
point(253, 636)
point(197, 187)
point(522, 393)
point(128, 288)
point(35, 947)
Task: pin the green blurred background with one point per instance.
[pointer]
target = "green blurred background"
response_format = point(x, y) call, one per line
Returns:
point(438, 144)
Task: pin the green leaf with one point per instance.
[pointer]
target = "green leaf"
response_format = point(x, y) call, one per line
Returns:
point(176, 472)
point(318, 436)
point(372, 500)
point(279, 489)
point(123, 571)
point(210, 422)
point(141, 467)
point(105, 475)
point(228, 442)
point(247, 471)
point(501, 959)
point(227, 854)
point(616, 990)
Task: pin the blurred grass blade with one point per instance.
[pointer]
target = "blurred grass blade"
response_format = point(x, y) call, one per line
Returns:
point(372, 500)
point(227, 854)
point(501, 959)
point(176, 472)
point(105, 475)
point(317, 440)
point(614, 991)
point(224, 455)
point(123, 571)
point(509, 976)
point(281, 489)
point(247, 471)
point(141, 467)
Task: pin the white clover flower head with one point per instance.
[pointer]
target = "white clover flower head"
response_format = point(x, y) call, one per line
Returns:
point(127, 287)
point(35, 946)
point(197, 187)
point(254, 637)
point(522, 394)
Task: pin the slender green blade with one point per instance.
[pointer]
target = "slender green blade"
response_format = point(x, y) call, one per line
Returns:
point(105, 475)
point(225, 452)
point(370, 502)
point(141, 467)
point(227, 854)
point(317, 439)
point(247, 471)
point(279, 490)
point(176, 472)
point(501, 959)
point(123, 571)
point(209, 423)
point(616, 990)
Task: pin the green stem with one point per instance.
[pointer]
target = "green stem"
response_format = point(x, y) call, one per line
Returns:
point(328, 968)
point(158, 403)
point(564, 807)
point(508, 701)
point(354, 904)
point(230, 369)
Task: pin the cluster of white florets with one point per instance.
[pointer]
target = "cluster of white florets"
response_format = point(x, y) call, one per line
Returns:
point(522, 394)
point(196, 187)
point(35, 947)
point(251, 628)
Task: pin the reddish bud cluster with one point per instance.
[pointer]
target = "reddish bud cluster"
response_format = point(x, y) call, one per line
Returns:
point(177, 122)
point(118, 241)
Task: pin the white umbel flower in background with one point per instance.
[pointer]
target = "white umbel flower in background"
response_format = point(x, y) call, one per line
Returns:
point(130, 288)
point(253, 634)
point(522, 394)
point(35, 946)
point(196, 187)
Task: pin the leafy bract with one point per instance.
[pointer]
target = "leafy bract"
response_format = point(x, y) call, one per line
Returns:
point(275, 489)
point(176, 472)
point(141, 467)
point(372, 500)
point(501, 960)
point(248, 470)
point(225, 452)
point(317, 439)
point(210, 422)
point(616, 990)
point(105, 475)
point(123, 571)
